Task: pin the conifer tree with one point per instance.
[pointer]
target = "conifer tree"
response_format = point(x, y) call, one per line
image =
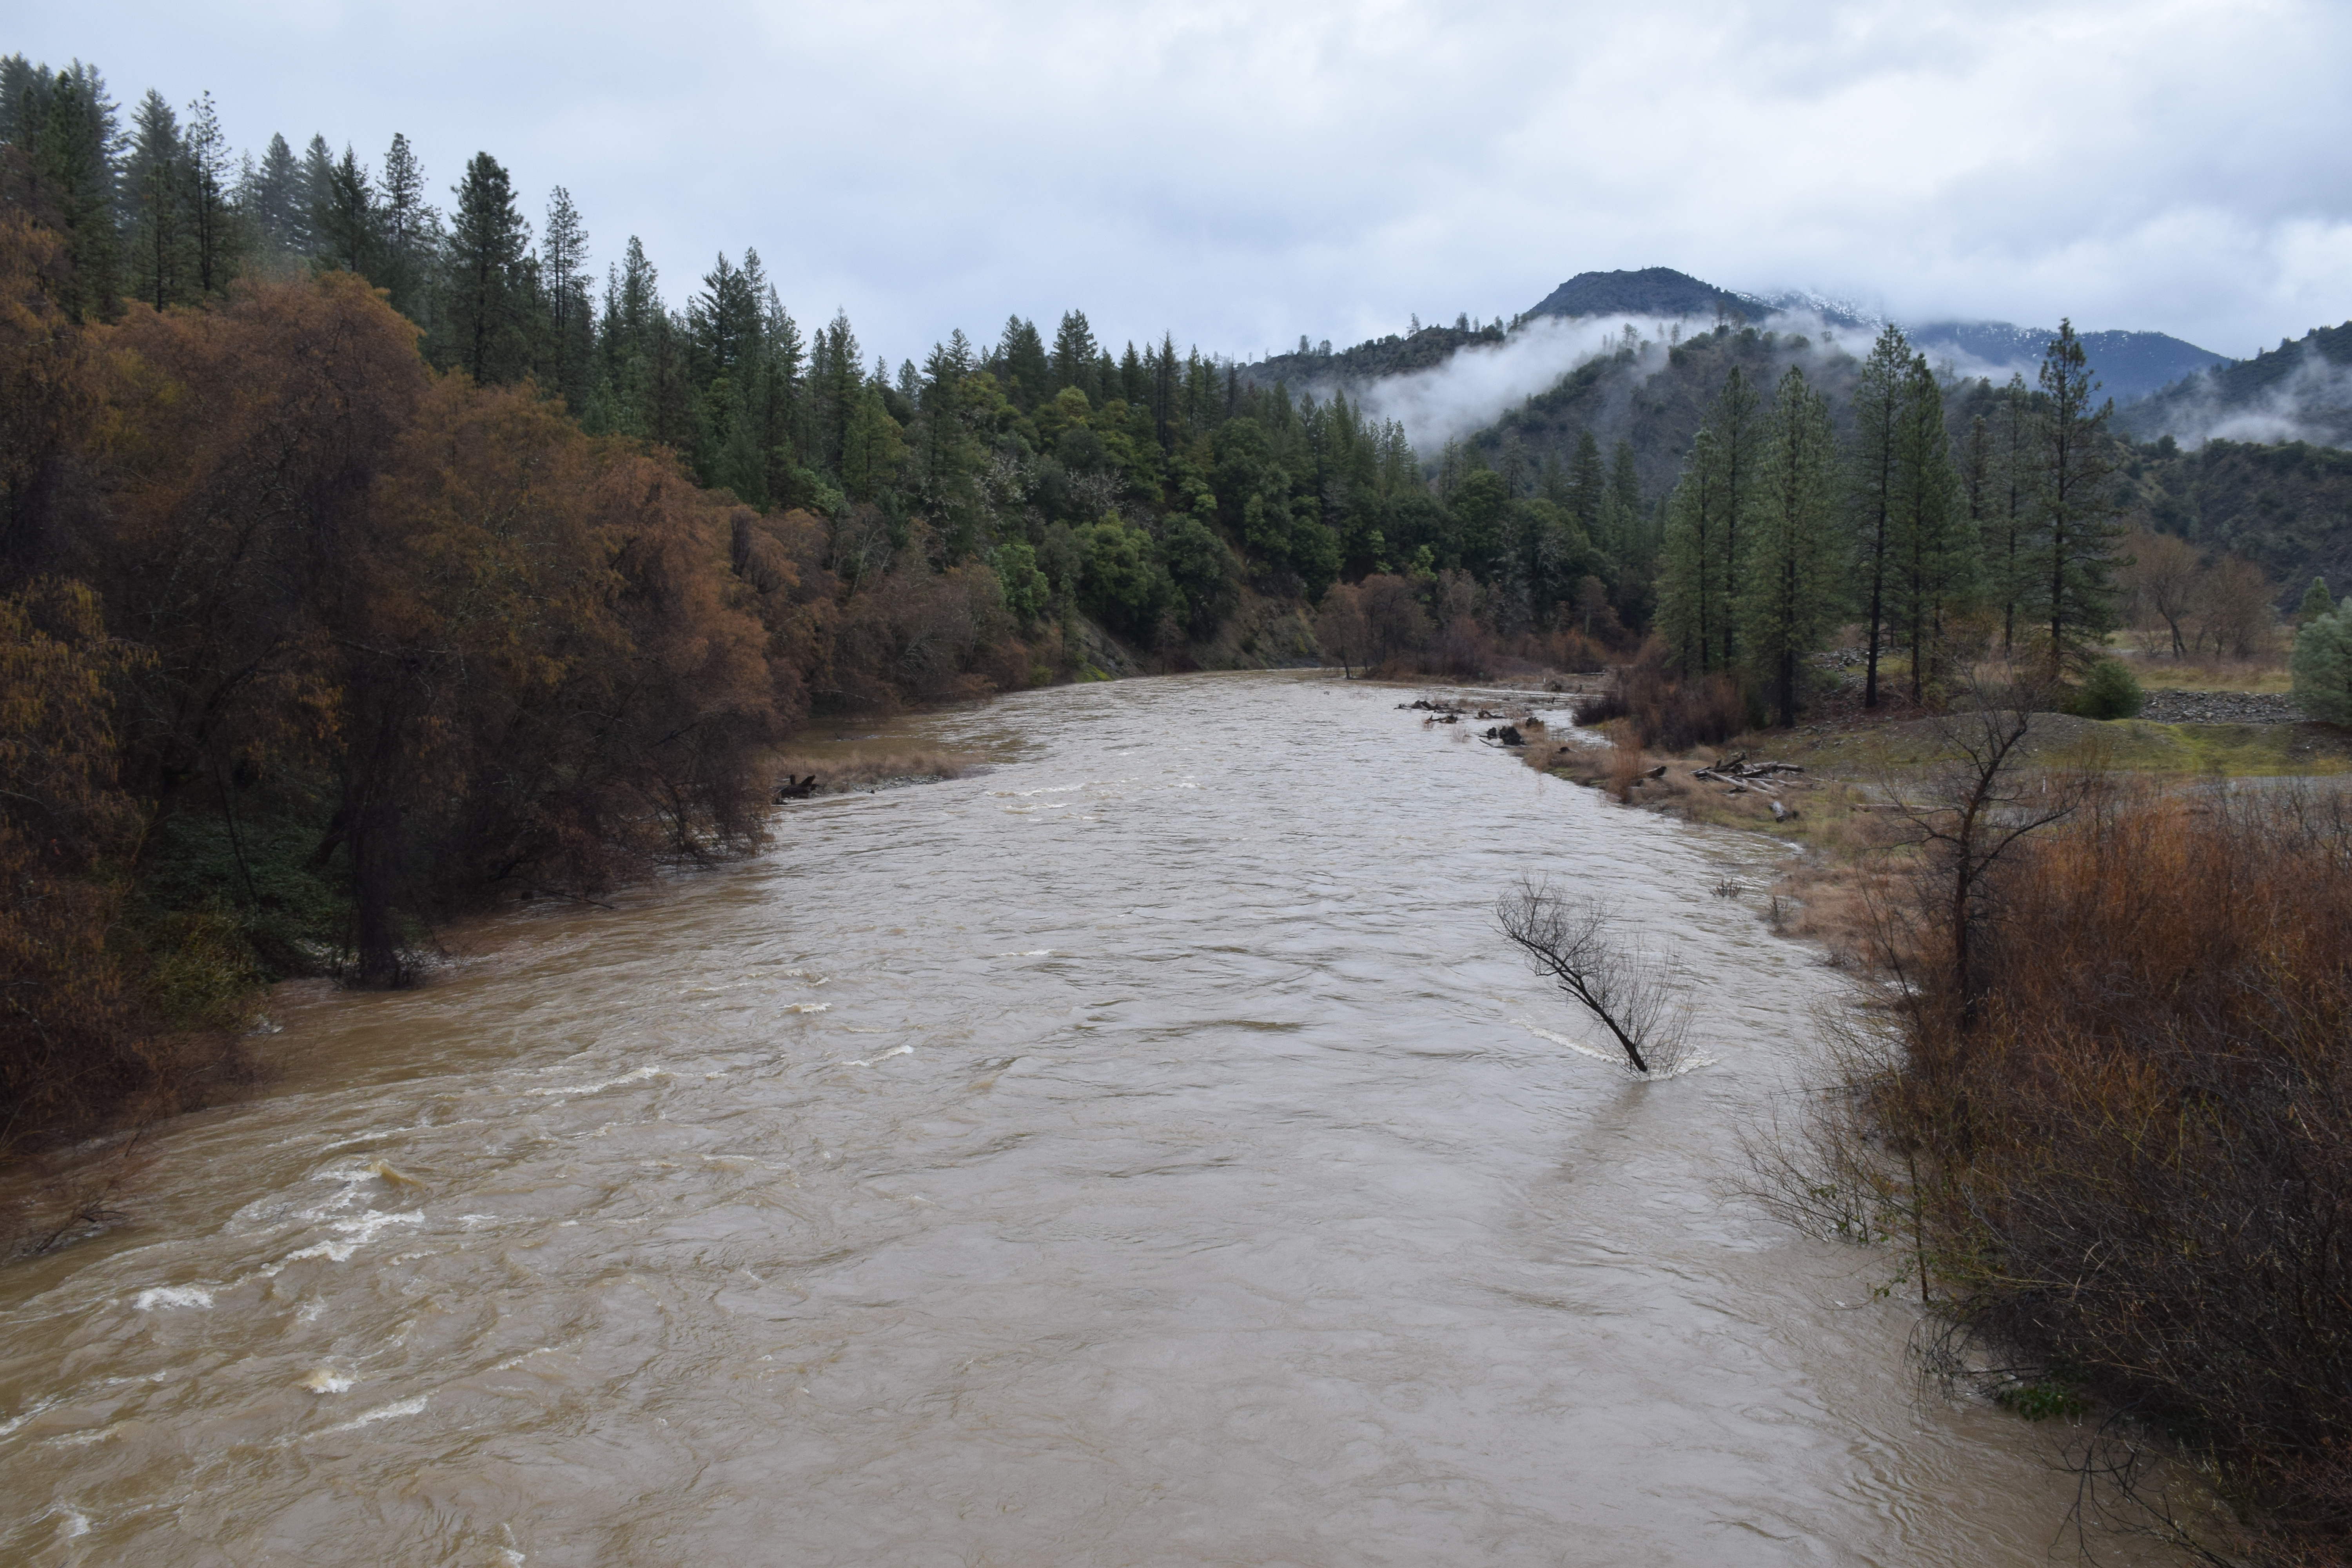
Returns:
point(275, 199)
point(834, 384)
point(2006, 527)
point(1634, 537)
point(485, 296)
point(217, 230)
point(1792, 591)
point(1028, 375)
point(563, 287)
point(66, 122)
point(1587, 489)
point(1934, 549)
point(2075, 531)
point(2316, 601)
point(408, 230)
point(1871, 486)
point(2322, 667)
point(1739, 439)
point(154, 195)
point(343, 226)
point(317, 173)
point(1074, 355)
point(1692, 608)
point(872, 447)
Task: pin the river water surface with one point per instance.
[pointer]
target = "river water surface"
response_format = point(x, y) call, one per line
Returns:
point(1140, 1151)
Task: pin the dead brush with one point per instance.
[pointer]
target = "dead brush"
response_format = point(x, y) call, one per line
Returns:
point(2118, 1139)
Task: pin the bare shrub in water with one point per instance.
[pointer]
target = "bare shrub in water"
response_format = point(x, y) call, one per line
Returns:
point(1574, 939)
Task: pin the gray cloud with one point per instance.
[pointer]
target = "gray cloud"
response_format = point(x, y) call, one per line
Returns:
point(1244, 174)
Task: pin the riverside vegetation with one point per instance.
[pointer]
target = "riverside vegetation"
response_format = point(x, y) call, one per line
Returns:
point(361, 563)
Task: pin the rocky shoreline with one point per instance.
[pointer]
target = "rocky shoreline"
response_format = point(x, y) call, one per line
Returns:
point(2168, 706)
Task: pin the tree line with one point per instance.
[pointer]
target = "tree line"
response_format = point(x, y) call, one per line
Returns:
point(1778, 532)
point(1144, 488)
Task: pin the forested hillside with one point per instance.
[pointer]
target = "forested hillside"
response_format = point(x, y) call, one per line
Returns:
point(2299, 390)
point(2288, 508)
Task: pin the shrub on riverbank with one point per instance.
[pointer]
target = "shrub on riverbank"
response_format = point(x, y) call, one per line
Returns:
point(1667, 712)
point(2124, 1143)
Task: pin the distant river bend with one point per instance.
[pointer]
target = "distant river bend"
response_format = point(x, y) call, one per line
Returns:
point(1142, 1151)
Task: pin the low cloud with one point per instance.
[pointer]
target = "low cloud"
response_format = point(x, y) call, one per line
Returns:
point(2312, 403)
point(1480, 384)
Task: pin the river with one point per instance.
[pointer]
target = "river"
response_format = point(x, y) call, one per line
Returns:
point(1141, 1151)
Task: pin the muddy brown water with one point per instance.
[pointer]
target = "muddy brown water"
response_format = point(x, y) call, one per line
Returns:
point(1139, 1152)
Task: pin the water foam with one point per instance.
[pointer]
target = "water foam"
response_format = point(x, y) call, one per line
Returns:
point(1616, 1059)
point(381, 1413)
point(637, 1077)
point(156, 1296)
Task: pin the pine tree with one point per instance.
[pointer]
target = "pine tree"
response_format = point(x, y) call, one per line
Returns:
point(835, 387)
point(410, 231)
point(1634, 540)
point(1934, 549)
point(563, 284)
point(1692, 606)
point(2006, 528)
point(2316, 603)
point(217, 229)
point(317, 185)
point(1074, 355)
point(2074, 531)
point(1028, 375)
point(872, 447)
point(725, 317)
point(484, 293)
point(274, 197)
point(343, 226)
point(2322, 667)
point(155, 204)
point(68, 124)
point(1793, 587)
point(1738, 438)
point(1871, 480)
point(1587, 490)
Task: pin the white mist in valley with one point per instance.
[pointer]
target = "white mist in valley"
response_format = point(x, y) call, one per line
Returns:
point(2312, 403)
point(1480, 382)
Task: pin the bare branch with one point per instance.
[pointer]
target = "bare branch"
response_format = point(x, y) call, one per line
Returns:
point(1633, 995)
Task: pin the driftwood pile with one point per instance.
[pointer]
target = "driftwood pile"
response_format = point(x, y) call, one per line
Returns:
point(1744, 777)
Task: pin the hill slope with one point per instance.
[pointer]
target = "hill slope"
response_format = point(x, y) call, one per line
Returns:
point(2131, 366)
point(1658, 292)
point(2299, 390)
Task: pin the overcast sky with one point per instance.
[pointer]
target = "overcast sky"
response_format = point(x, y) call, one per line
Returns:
point(1244, 173)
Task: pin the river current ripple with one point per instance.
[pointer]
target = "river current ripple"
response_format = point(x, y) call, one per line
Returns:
point(1140, 1151)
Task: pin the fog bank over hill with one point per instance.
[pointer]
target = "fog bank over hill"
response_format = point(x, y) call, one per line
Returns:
point(2299, 390)
point(1445, 383)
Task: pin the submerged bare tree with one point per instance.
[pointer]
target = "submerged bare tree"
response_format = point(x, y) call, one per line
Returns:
point(1574, 939)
